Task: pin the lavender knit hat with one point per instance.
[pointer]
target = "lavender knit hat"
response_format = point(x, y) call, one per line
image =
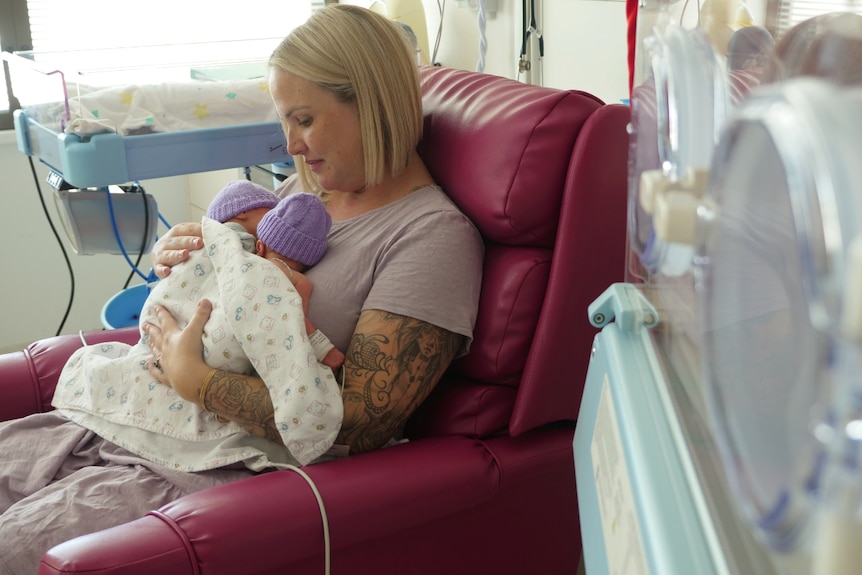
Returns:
point(296, 228)
point(240, 196)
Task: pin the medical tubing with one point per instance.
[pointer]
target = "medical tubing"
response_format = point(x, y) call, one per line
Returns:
point(143, 241)
point(164, 221)
point(483, 40)
point(529, 27)
point(441, 8)
point(59, 242)
point(117, 232)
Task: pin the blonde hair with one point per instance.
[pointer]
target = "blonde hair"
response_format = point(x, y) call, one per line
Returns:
point(361, 57)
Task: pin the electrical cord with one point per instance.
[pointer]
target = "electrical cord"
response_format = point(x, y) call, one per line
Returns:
point(143, 240)
point(327, 551)
point(59, 242)
point(327, 543)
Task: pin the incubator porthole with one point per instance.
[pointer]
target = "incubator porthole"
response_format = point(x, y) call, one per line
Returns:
point(770, 281)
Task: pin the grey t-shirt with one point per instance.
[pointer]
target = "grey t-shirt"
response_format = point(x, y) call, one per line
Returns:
point(419, 257)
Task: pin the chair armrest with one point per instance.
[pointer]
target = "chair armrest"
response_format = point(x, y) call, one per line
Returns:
point(437, 505)
point(28, 377)
point(271, 523)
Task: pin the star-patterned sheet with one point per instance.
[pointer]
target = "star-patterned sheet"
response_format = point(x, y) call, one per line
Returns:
point(169, 107)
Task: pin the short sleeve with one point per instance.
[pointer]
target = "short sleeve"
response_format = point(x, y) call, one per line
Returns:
point(432, 271)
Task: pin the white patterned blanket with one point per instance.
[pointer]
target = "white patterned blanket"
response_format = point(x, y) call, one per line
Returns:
point(257, 321)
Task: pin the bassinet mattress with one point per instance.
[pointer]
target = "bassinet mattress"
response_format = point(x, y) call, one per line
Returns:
point(169, 107)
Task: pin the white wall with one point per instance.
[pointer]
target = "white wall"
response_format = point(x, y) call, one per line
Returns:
point(585, 47)
point(585, 42)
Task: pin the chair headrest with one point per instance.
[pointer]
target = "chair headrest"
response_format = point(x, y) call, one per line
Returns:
point(501, 149)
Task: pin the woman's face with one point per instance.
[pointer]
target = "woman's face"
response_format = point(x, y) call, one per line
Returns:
point(322, 129)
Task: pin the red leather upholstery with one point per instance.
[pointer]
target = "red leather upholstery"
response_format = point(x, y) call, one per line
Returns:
point(539, 171)
point(486, 484)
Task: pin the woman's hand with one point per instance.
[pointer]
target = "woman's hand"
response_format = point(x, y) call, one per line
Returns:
point(174, 247)
point(179, 359)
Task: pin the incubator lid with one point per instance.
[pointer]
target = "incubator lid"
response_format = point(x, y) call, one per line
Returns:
point(677, 113)
point(784, 178)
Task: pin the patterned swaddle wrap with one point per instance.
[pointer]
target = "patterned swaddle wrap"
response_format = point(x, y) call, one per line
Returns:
point(256, 322)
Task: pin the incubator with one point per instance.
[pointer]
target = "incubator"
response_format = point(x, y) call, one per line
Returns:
point(721, 423)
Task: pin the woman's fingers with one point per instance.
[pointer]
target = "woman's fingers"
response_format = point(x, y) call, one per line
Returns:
point(159, 337)
point(195, 327)
point(174, 247)
point(179, 351)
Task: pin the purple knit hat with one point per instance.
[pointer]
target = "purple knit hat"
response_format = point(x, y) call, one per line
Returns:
point(240, 196)
point(296, 228)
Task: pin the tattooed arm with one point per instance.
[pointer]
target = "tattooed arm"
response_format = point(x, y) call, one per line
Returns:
point(392, 364)
point(243, 399)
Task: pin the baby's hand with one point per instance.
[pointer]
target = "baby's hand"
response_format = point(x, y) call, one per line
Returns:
point(333, 360)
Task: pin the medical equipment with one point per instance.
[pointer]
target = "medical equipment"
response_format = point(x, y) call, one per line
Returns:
point(780, 332)
point(677, 113)
point(720, 417)
point(100, 121)
point(532, 45)
point(111, 220)
point(96, 125)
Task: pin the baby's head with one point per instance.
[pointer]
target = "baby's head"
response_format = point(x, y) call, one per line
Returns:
point(296, 229)
point(243, 202)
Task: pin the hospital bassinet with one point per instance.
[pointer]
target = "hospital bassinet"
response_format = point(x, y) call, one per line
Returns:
point(113, 117)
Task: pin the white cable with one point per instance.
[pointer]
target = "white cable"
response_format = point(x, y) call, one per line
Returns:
point(483, 40)
point(326, 544)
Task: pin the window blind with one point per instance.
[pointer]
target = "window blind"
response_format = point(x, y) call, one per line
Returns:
point(792, 12)
point(155, 33)
point(172, 31)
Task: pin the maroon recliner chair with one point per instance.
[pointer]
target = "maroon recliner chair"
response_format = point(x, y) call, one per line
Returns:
point(486, 483)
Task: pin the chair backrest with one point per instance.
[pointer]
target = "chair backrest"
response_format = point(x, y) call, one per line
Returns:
point(542, 173)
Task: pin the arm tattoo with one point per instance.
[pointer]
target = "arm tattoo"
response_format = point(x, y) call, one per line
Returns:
point(245, 400)
point(389, 373)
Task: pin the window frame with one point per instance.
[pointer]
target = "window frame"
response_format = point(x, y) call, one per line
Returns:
point(14, 36)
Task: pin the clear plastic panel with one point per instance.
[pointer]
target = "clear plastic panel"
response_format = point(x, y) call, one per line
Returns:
point(677, 113)
point(788, 193)
point(746, 338)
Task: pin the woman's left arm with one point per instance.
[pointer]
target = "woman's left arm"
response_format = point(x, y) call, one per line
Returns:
point(392, 364)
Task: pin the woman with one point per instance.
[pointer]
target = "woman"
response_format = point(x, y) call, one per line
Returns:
point(401, 273)
point(346, 90)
